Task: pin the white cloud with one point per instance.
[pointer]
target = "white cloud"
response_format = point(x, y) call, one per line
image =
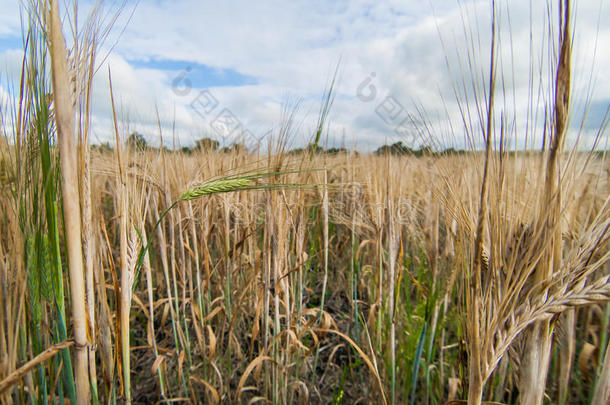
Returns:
point(9, 19)
point(291, 49)
point(10, 66)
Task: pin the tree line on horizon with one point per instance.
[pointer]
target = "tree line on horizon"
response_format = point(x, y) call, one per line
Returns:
point(137, 142)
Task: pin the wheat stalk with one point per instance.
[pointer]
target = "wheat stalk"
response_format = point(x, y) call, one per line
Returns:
point(538, 342)
point(64, 113)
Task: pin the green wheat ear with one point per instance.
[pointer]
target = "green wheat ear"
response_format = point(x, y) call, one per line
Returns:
point(216, 186)
point(244, 181)
point(33, 280)
point(44, 266)
point(39, 275)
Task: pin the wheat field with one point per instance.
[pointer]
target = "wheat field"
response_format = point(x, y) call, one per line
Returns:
point(142, 275)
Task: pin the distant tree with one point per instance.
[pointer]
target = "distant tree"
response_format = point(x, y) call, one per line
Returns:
point(103, 147)
point(335, 151)
point(382, 150)
point(186, 150)
point(234, 148)
point(207, 144)
point(452, 151)
point(397, 148)
point(318, 149)
point(312, 147)
point(136, 141)
point(424, 151)
point(296, 151)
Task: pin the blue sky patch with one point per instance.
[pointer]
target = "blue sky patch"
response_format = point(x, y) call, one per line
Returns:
point(595, 114)
point(11, 42)
point(200, 76)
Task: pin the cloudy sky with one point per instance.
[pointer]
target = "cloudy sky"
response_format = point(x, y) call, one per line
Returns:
point(233, 69)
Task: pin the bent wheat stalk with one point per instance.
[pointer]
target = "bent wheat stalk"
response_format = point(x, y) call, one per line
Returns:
point(16, 375)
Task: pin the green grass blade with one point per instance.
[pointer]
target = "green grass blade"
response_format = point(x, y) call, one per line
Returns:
point(417, 360)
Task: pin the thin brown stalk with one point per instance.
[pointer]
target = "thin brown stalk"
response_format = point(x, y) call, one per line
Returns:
point(151, 307)
point(392, 254)
point(475, 292)
point(125, 292)
point(89, 245)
